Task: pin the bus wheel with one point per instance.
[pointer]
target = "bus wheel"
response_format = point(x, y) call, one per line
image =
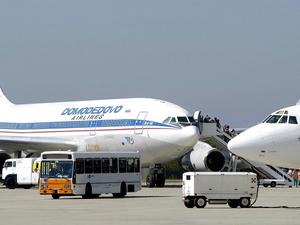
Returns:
point(11, 183)
point(123, 191)
point(55, 196)
point(88, 191)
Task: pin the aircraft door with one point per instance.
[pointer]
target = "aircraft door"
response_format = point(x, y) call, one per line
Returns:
point(140, 122)
point(93, 126)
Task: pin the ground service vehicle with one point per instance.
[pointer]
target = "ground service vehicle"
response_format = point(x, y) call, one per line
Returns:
point(89, 174)
point(234, 188)
point(23, 172)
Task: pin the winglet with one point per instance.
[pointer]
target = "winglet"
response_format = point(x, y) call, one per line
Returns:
point(3, 99)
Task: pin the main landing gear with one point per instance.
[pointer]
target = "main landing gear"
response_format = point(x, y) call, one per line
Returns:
point(156, 176)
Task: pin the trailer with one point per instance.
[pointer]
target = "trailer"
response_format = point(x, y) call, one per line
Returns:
point(232, 188)
point(21, 172)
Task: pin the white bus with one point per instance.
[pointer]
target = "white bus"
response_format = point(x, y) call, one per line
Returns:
point(89, 174)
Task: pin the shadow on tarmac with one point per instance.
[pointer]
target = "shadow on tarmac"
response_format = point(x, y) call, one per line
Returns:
point(166, 186)
point(112, 198)
point(276, 207)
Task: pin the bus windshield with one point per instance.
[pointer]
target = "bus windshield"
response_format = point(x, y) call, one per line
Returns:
point(56, 169)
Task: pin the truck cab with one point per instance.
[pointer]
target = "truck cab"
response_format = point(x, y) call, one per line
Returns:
point(23, 172)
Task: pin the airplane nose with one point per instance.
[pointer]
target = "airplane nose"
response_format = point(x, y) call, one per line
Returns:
point(190, 136)
point(242, 145)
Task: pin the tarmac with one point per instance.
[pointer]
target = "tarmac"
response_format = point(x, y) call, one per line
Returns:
point(148, 206)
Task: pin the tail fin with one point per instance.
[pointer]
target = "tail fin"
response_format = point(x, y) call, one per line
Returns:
point(3, 99)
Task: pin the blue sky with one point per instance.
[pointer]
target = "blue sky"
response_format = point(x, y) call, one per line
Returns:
point(237, 60)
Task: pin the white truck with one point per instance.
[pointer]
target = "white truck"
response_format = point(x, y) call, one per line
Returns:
point(234, 188)
point(22, 172)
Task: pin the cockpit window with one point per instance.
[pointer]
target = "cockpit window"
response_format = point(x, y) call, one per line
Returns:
point(293, 120)
point(283, 119)
point(191, 119)
point(266, 119)
point(173, 120)
point(167, 120)
point(273, 119)
point(182, 119)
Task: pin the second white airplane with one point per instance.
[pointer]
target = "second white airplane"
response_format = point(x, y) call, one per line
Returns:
point(275, 141)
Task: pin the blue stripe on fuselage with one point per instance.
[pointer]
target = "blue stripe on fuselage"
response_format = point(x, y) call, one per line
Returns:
point(81, 124)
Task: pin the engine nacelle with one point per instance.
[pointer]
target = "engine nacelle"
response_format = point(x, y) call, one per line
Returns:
point(203, 158)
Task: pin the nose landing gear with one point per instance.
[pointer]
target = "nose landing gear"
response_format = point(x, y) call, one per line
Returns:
point(156, 176)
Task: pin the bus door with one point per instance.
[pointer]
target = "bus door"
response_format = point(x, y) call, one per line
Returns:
point(140, 122)
point(93, 126)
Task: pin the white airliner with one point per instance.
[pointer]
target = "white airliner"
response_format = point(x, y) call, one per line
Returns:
point(160, 130)
point(275, 141)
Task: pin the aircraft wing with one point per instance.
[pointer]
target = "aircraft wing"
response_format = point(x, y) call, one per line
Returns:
point(12, 144)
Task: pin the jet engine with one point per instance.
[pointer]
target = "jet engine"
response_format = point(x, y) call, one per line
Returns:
point(203, 157)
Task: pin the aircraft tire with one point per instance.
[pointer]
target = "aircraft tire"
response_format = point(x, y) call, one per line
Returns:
point(150, 181)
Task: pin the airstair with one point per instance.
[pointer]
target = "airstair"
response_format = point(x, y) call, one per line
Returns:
point(217, 138)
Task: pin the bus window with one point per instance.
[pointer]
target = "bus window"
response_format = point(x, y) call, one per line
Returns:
point(88, 166)
point(130, 165)
point(79, 166)
point(97, 166)
point(122, 165)
point(105, 165)
point(136, 165)
point(114, 165)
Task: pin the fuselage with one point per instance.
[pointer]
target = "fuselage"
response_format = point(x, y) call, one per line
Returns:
point(136, 124)
point(275, 141)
